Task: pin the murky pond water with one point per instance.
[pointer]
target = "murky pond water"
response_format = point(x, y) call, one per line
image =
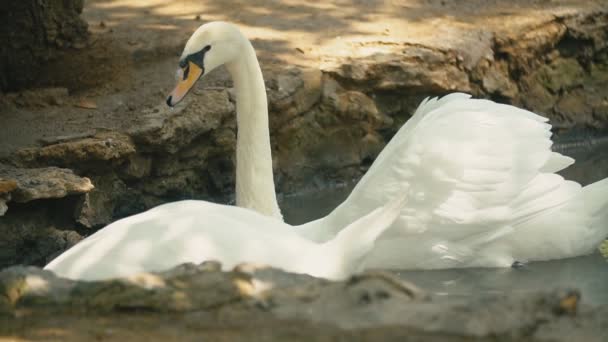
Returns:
point(589, 273)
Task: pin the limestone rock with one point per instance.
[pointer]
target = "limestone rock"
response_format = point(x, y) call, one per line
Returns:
point(3, 206)
point(291, 92)
point(400, 66)
point(171, 129)
point(574, 105)
point(33, 34)
point(537, 98)
point(184, 288)
point(102, 147)
point(524, 47)
point(32, 234)
point(40, 98)
point(376, 305)
point(562, 74)
point(40, 183)
point(6, 186)
point(497, 81)
point(96, 208)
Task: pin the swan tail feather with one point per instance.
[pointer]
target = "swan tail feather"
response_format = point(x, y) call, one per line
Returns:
point(355, 241)
point(556, 162)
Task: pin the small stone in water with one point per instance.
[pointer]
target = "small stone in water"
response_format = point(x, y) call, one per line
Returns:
point(518, 264)
point(604, 249)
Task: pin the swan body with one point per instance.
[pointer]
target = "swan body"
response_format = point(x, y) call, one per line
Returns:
point(196, 231)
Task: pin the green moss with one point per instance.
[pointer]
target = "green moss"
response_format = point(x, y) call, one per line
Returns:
point(561, 74)
point(599, 72)
point(604, 249)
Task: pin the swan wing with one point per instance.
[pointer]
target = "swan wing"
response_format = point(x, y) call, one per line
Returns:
point(475, 173)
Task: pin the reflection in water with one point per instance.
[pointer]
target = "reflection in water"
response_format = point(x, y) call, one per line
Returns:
point(588, 274)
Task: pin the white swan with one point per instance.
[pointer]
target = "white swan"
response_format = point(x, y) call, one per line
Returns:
point(480, 176)
point(196, 231)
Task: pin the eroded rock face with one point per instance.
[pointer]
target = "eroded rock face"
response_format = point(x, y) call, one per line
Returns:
point(33, 233)
point(378, 306)
point(79, 153)
point(38, 203)
point(555, 68)
point(171, 129)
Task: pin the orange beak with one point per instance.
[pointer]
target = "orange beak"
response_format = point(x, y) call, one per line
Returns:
point(192, 73)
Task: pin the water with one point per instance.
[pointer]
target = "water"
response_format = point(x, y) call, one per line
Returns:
point(588, 274)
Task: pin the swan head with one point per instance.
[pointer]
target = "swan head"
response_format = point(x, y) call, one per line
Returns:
point(211, 45)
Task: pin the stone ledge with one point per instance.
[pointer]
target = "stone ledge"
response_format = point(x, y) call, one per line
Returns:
point(41, 183)
point(373, 304)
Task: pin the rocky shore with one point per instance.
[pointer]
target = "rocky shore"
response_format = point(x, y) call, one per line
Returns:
point(190, 303)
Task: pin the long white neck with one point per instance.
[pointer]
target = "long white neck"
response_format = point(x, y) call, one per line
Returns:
point(254, 177)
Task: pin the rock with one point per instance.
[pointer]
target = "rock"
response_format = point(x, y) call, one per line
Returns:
point(103, 147)
point(46, 141)
point(96, 208)
point(292, 92)
point(33, 233)
point(573, 104)
point(3, 206)
point(398, 66)
point(372, 306)
point(40, 98)
point(562, 74)
point(525, 47)
point(537, 98)
point(169, 130)
point(32, 35)
point(7, 185)
point(50, 182)
point(497, 81)
point(184, 288)
point(138, 166)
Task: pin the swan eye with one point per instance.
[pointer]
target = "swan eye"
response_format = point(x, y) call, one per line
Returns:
point(186, 71)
